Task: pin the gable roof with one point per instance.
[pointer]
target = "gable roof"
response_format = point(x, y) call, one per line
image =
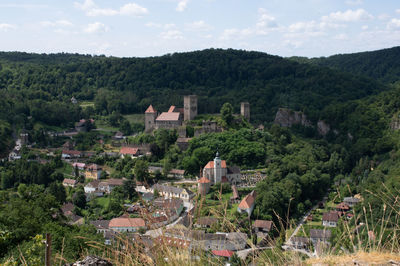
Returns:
point(210, 164)
point(171, 109)
point(127, 222)
point(330, 216)
point(70, 181)
point(93, 184)
point(100, 224)
point(129, 150)
point(262, 224)
point(71, 152)
point(223, 253)
point(318, 233)
point(168, 189)
point(248, 201)
point(150, 109)
point(166, 116)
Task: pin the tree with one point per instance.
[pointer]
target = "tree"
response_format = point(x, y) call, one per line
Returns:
point(227, 113)
point(141, 170)
point(125, 127)
point(79, 199)
point(129, 188)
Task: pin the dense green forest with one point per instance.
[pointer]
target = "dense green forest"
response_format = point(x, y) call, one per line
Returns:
point(382, 65)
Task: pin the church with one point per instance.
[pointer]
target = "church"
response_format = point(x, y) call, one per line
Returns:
point(217, 171)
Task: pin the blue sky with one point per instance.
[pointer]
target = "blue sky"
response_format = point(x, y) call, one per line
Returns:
point(140, 28)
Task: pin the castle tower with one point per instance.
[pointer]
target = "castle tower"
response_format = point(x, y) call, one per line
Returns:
point(245, 110)
point(217, 169)
point(190, 107)
point(150, 119)
point(203, 186)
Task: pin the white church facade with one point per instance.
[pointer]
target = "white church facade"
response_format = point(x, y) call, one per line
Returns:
point(217, 171)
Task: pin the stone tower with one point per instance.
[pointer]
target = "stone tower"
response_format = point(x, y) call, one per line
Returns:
point(217, 169)
point(190, 107)
point(245, 110)
point(150, 119)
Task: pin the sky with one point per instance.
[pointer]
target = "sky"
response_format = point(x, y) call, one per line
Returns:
point(141, 28)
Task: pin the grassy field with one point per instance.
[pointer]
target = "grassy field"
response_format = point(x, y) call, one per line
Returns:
point(135, 118)
point(67, 169)
point(85, 104)
point(103, 202)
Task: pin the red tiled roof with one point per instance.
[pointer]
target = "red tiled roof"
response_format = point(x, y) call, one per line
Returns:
point(150, 109)
point(204, 180)
point(127, 222)
point(262, 224)
point(70, 181)
point(129, 150)
point(210, 164)
point(171, 109)
point(330, 216)
point(223, 253)
point(165, 116)
point(248, 201)
point(177, 171)
point(70, 152)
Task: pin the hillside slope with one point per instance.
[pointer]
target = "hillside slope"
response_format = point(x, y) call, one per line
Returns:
point(129, 85)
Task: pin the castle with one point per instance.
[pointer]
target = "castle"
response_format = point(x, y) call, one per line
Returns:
point(173, 118)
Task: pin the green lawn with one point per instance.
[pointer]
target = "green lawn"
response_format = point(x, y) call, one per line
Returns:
point(135, 118)
point(103, 202)
point(67, 169)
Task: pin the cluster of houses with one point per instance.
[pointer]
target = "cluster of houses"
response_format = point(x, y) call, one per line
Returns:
point(330, 219)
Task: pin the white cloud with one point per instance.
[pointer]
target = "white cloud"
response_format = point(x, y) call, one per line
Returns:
point(354, 2)
point(394, 24)
point(265, 20)
point(199, 26)
point(92, 10)
point(365, 27)
point(398, 11)
point(182, 5)
point(341, 37)
point(172, 35)
point(96, 27)
point(166, 26)
point(347, 16)
point(230, 34)
point(6, 27)
point(58, 23)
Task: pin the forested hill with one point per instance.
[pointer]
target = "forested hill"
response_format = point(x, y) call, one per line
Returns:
point(383, 65)
point(129, 85)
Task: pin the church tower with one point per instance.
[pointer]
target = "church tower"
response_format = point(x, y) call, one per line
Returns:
point(190, 107)
point(217, 169)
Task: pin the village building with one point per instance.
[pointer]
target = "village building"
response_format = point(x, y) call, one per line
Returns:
point(319, 235)
point(15, 154)
point(203, 186)
point(330, 219)
point(129, 152)
point(72, 218)
point(235, 195)
point(300, 242)
point(248, 203)
point(351, 201)
point(217, 170)
point(93, 171)
point(176, 173)
point(68, 145)
point(263, 226)
point(127, 224)
point(80, 166)
point(170, 192)
point(206, 222)
point(71, 154)
point(109, 184)
point(171, 208)
point(102, 226)
point(223, 253)
point(68, 182)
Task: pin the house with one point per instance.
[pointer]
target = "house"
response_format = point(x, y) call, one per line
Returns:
point(93, 171)
point(68, 182)
point(129, 152)
point(172, 192)
point(330, 219)
point(102, 226)
point(206, 222)
point(262, 226)
point(109, 184)
point(15, 154)
point(70, 154)
point(235, 195)
point(127, 224)
point(68, 145)
point(171, 208)
point(92, 187)
point(158, 221)
point(67, 210)
point(148, 196)
point(203, 186)
point(176, 173)
point(217, 170)
point(80, 166)
point(118, 136)
point(319, 235)
point(300, 242)
point(248, 203)
point(342, 207)
point(351, 201)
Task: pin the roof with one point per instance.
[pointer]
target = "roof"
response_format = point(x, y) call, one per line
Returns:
point(79, 165)
point(262, 224)
point(127, 222)
point(93, 167)
point(223, 253)
point(173, 242)
point(100, 224)
point(169, 189)
point(173, 204)
point(300, 239)
point(71, 152)
point(70, 181)
point(94, 184)
point(319, 233)
point(171, 109)
point(204, 180)
point(342, 206)
point(330, 216)
point(207, 221)
point(183, 140)
point(248, 201)
point(351, 199)
point(210, 164)
point(114, 182)
point(177, 171)
point(150, 109)
point(67, 207)
point(129, 150)
point(165, 116)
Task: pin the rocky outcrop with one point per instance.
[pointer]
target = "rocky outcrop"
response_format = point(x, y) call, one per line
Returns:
point(395, 123)
point(287, 118)
point(323, 128)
